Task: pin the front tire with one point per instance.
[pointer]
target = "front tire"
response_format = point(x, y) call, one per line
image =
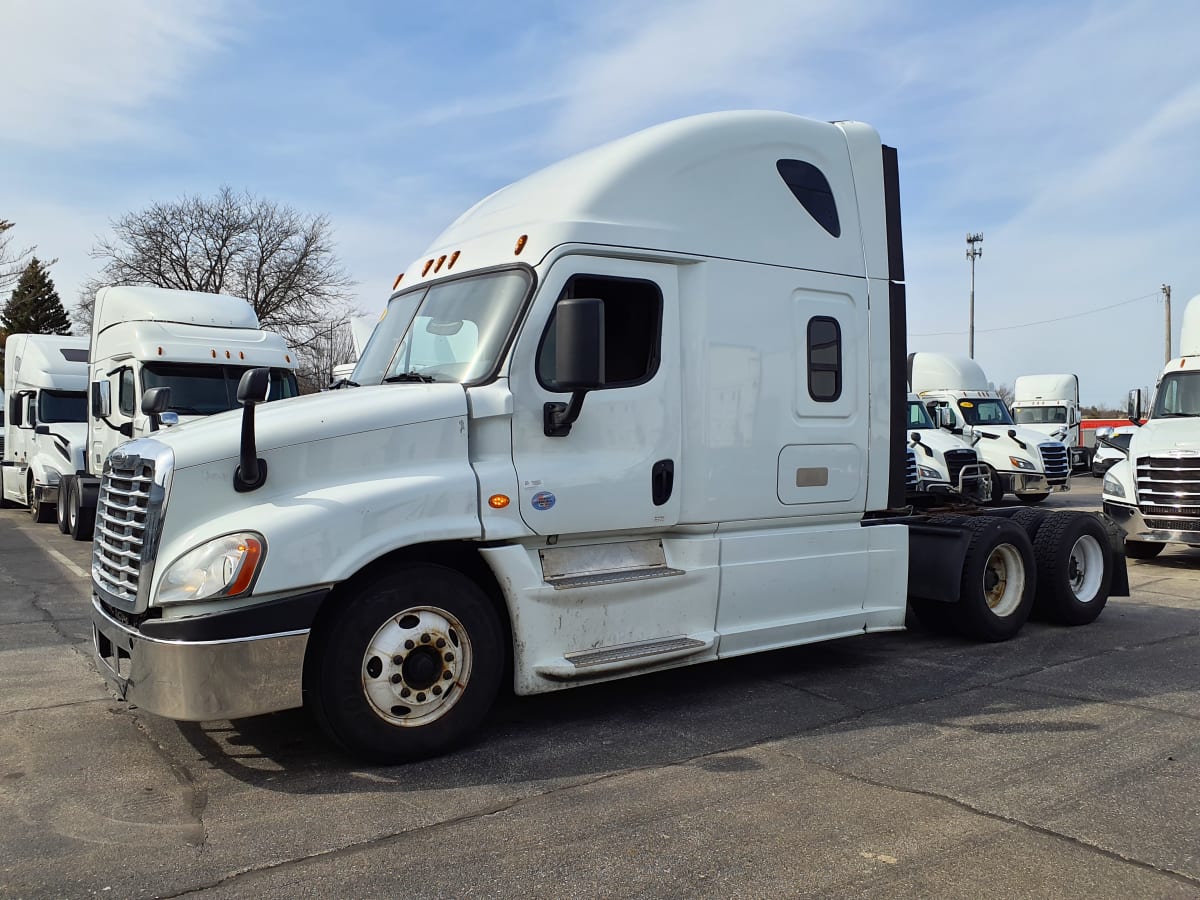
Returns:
point(406, 664)
point(1075, 568)
point(998, 489)
point(40, 512)
point(998, 580)
point(1143, 549)
point(60, 510)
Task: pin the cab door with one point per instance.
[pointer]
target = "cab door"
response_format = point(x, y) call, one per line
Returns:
point(619, 467)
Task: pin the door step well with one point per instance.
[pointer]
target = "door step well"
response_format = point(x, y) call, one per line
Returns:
point(616, 658)
point(564, 568)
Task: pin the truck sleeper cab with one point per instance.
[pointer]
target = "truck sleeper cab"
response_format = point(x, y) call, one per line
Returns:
point(45, 429)
point(613, 422)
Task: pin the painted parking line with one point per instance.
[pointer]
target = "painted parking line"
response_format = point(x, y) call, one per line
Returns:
point(70, 566)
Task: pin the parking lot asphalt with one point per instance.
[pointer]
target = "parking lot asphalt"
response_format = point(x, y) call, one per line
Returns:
point(1064, 763)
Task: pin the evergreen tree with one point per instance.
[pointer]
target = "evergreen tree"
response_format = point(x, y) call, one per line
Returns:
point(35, 307)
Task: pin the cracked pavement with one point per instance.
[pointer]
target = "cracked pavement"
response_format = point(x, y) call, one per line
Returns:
point(1061, 764)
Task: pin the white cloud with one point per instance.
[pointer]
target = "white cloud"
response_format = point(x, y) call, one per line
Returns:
point(83, 72)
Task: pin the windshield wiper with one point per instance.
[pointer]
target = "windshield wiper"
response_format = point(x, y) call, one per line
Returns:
point(188, 410)
point(1177, 416)
point(409, 376)
point(343, 383)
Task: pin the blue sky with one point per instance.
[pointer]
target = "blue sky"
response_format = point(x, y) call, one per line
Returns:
point(1067, 133)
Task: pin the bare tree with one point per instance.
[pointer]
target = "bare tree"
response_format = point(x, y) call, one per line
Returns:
point(281, 261)
point(12, 261)
point(1005, 393)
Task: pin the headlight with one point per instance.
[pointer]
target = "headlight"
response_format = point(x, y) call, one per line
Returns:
point(1019, 463)
point(1112, 486)
point(224, 567)
point(927, 472)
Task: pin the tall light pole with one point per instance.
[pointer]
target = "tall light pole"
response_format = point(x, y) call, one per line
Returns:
point(973, 253)
point(1166, 291)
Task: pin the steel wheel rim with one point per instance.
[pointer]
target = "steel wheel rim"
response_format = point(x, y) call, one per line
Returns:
point(72, 511)
point(1085, 568)
point(416, 666)
point(33, 504)
point(1003, 580)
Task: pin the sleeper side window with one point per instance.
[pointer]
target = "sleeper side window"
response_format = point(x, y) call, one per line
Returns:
point(824, 359)
point(632, 330)
point(126, 393)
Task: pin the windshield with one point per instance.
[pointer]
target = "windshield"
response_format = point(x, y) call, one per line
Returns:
point(985, 412)
point(201, 390)
point(61, 406)
point(1178, 396)
point(1040, 415)
point(454, 331)
point(918, 416)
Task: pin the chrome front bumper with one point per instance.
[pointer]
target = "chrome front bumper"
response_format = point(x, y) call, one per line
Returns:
point(1130, 518)
point(199, 681)
point(1033, 484)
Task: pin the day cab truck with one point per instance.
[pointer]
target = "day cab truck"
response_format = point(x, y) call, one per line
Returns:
point(1020, 461)
point(940, 463)
point(1050, 404)
point(642, 409)
point(46, 426)
point(1153, 490)
point(161, 356)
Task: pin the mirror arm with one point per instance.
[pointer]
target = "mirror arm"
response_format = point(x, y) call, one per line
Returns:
point(557, 418)
point(251, 472)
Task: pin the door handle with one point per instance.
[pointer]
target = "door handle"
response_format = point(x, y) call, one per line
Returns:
point(662, 481)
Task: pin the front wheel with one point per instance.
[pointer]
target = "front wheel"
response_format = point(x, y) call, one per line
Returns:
point(38, 511)
point(406, 665)
point(1031, 499)
point(998, 489)
point(1143, 549)
point(60, 510)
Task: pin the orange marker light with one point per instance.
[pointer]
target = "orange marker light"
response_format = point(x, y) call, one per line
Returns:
point(441, 259)
point(396, 283)
point(227, 356)
point(214, 354)
point(498, 501)
point(428, 263)
point(160, 351)
point(520, 244)
point(241, 354)
point(453, 260)
point(287, 358)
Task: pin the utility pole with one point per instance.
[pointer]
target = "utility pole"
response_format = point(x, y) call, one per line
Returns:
point(973, 253)
point(1166, 291)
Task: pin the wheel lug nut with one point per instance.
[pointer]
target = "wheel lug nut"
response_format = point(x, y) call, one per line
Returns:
point(441, 642)
point(448, 657)
point(397, 659)
point(405, 692)
point(437, 690)
point(420, 698)
point(396, 679)
point(447, 675)
point(408, 645)
point(425, 639)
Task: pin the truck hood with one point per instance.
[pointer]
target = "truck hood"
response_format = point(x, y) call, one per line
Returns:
point(1166, 436)
point(1053, 432)
point(314, 417)
point(939, 442)
point(1026, 435)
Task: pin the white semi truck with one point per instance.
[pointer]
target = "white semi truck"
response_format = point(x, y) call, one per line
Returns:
point(642, 409)
point(192, 346)
point(942, 463)
point(1050, 404)
point(1021, 461)
point(46, 427)
point(1153, 491)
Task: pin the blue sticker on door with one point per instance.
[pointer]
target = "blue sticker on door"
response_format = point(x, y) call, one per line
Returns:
point(542, 500)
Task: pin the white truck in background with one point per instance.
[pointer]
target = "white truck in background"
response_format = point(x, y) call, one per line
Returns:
point(360, 333)
point(194, 345)
point(1153, 490)
point(667, 425)
point(941, 463)
point(1021, 461)
point(45, 429)
point(1050, 404)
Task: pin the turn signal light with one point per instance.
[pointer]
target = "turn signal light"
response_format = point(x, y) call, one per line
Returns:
point(520, 244)
point(498, 501)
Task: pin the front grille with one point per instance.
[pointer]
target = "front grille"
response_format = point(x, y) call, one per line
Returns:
point(910, 469)
point(956, 459)
point(1173, 524)
point(1169, 486)
point(1054, 458)
point(122, 511)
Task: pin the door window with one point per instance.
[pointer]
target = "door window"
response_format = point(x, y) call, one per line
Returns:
point(126, 400)
point(632, 330)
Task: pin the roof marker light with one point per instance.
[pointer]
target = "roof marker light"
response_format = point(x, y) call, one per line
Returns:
point(227, 356)
point(520, 244)
point(214, 354)
point(160, 351)
point(428, 263)
point(241, 354)
point(453, 260)
point(441, 259)
point(396, 283)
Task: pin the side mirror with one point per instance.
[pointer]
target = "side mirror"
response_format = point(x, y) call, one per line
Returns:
point(154, 403)
point(943, 417)
point(16, 406)
point(168, 419)
point(41, 429)
point(251, 473)
point(101, 399)
point(578, 359)
point(1135, 406)
point(1104, 431)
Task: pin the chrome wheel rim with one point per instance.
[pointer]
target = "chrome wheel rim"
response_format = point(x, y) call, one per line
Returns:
point(1003, 580)
point(1085, 568)
point(416, 666)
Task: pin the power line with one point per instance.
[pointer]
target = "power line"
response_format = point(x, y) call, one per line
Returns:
point(1087, 312)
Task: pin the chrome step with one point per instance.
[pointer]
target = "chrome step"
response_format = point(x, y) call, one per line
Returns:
point(621, 652)
point(590, 565)
point(592, 579)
